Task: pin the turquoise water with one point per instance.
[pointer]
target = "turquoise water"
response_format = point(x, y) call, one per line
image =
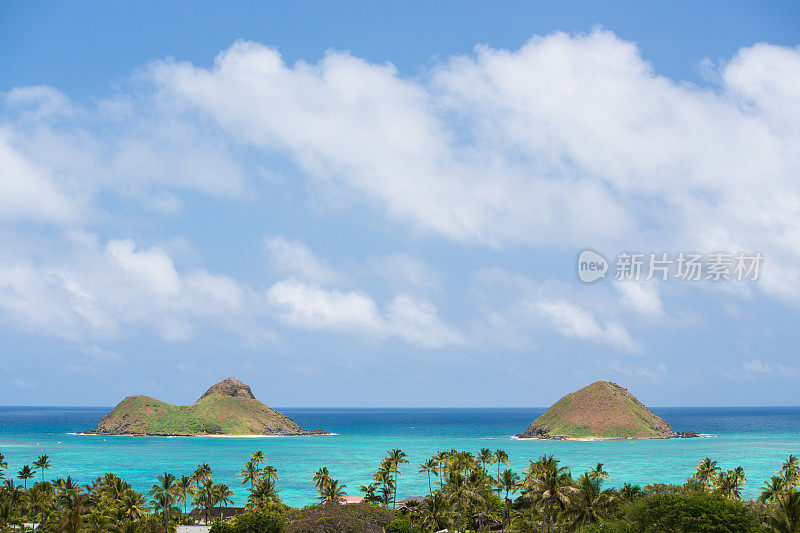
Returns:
point(756, 438)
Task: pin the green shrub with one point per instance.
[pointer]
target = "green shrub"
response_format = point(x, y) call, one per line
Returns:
point(402, 524)
point(612, 526)
point(694, 512)
point(361, 517)
point(253, 522)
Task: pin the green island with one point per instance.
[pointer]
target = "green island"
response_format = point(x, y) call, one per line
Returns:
point(602, 410)
point(227, 408)
point(467, 492)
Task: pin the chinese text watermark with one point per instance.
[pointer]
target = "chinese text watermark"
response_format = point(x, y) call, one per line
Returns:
point(684, 266)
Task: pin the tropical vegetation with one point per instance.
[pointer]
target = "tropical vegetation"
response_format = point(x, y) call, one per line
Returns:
point(465, 493)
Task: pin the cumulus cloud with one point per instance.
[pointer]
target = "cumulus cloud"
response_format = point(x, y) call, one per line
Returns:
point(29, 191)
point(405, 269)
point(517, 307)
point(572, 320)
point(57, 158)
point(568, 140)
point(103, 290)
point(295, 258)
point(413, 320)
point(642, 297)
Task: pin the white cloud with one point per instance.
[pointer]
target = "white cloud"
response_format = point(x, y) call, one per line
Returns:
point(98, 291)
point(567, 141)
point(413, 320)
point(297, 259)
point(99, 355)
point(757, 366)
point(642, 297)
point(28, 189)
point(151, 267)
point(404, 269)
point(56, 158)
point(520, 309)
point(572, 320)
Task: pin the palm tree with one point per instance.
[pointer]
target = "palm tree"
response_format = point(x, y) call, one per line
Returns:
point(203, 497)
point(500, 457)
point(739, 473)
point(630, 492)
point(509, 482)
point(184, 489)
point(442, 458)
point(42, 463)
point(772, 489)
point(250, 473)
point(485, 457)
point(37, 499)
point(222, 494)
point(269, 472)
point(133, 505)
point(551, 486)
point(590, 501)
point(3, 463)
point(461, 493)
point(369, 493)
point(321, 479)
point(258, 457)
point(397, 457)
point(790, 471)
point(202, 473)
point(430, 466)
point(333, 491)
point(785, 515)
point(597, 473)
point(263, 495)
point(162, 493)
point(707, 472)
point(25, 473)
point(729, 483)
point(434, 508)
point(384, 479)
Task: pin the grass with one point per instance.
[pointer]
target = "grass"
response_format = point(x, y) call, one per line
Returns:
point(214, 414)
point(601, 410)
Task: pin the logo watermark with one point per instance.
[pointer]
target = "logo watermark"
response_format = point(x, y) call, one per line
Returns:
point(683, 266)
point(591, 266)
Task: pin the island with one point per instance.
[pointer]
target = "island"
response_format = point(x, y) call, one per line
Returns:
point(226, 409)
point(602, 410)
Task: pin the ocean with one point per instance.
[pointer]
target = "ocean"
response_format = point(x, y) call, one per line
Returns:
point(757, 438)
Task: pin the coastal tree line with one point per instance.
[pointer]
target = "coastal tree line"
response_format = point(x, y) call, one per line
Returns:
point(466, 492)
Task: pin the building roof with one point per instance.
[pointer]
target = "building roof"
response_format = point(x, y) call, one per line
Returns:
point(402, 503)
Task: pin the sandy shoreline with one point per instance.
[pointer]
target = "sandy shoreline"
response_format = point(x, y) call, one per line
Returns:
point(203, 436)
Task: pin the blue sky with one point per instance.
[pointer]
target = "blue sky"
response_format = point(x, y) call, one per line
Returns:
point(364, 204)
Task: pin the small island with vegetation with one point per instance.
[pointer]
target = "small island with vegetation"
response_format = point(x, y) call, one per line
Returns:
point(228, 408)
point(602, 410)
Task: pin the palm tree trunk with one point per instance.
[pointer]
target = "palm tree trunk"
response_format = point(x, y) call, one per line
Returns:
point(394, 503)
point(505, 511)
point(544, 520)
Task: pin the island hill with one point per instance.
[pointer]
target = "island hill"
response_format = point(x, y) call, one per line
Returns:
point(227, 408)
point(602, 410)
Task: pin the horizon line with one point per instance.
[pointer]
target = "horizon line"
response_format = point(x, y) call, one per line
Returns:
point(417, 406)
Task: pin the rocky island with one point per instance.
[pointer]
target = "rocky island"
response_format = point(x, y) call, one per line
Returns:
point(602, 410)
point(227, 408)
